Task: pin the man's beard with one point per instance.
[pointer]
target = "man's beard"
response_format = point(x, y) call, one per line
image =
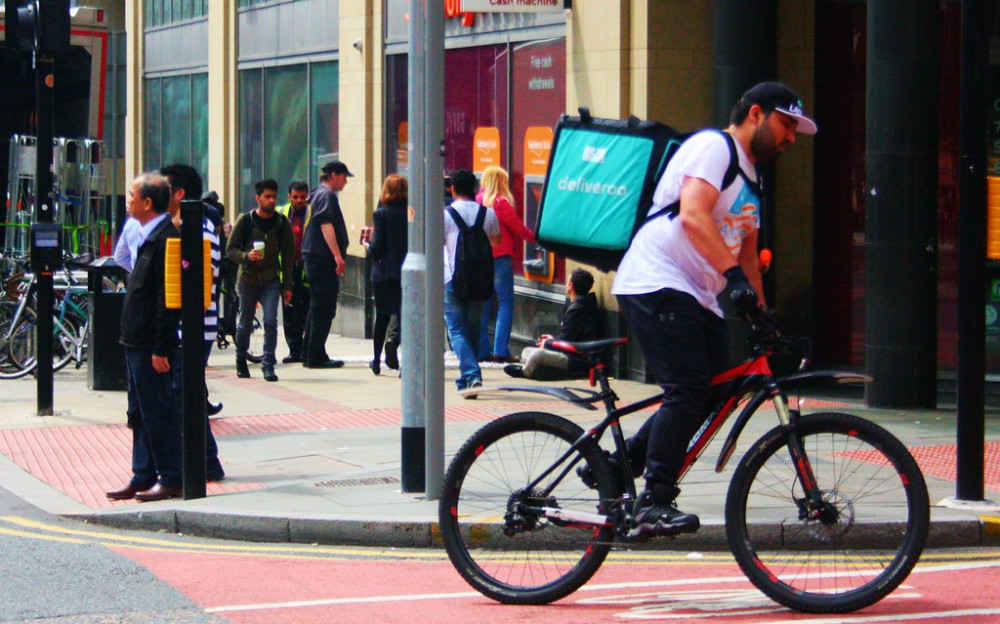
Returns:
point(763, 146)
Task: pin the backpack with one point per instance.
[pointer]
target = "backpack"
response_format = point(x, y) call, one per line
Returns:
point(600, 182)
point(473, 277)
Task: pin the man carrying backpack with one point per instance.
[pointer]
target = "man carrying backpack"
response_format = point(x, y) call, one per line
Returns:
point(262, 245)
point(676, 266)
point(469, 231)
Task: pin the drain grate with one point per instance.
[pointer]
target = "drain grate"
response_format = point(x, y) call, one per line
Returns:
point(336, 483)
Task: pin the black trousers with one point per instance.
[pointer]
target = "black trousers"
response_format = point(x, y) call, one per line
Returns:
point(293, 315)
point(684, 346)
point(325, 286)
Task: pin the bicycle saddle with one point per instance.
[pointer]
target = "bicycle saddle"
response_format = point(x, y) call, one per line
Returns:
point(587, 349)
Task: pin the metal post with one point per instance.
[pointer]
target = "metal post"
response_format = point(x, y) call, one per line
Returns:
point(433, 155)
point(44, 207)
point(972, 254)
point(415, 271)
point(193, 413)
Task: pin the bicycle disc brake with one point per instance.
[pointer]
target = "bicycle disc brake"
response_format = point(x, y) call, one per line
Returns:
point(834, 518)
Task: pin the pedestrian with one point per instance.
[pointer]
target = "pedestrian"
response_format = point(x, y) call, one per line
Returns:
point(581, 322)
point(293, 314)
point(669, 280)
point(185, 182)
point(462, 315)
point(149, 335)
point(263, 245)
point(495, 193)
point(323, 252)
point(387, 250)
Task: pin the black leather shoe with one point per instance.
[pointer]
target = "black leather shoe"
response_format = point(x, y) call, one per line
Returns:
point(212, 408)
point(242, 370)
point(291, 359)
point(268, 372)
point(326, 364)
point(126, 493)
point(215, 476)
point(376, 368)
point(158, 492)
point(514, 370)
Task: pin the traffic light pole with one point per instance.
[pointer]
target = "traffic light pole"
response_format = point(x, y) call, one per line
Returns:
point(44, 83)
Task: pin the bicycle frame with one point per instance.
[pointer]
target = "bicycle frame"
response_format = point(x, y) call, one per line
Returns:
point(751, 382)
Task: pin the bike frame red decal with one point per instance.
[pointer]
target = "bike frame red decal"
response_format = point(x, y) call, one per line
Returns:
point(708, 433)
point(804, 474)
point(757, 366)
point(479, 450)
point(454, 512)
point(905, 479)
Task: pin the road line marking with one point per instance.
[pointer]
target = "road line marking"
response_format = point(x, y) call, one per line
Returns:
point(339, 601)
point(902, 617)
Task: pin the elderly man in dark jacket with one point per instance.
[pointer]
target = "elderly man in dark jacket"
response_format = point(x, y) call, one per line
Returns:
point(149, 335)
point(581, 322)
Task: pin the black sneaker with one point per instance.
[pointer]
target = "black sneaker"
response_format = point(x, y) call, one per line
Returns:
point(391, 355)
point(660, 519)
point(242, 370)
point(268, 372)
point(514, 370)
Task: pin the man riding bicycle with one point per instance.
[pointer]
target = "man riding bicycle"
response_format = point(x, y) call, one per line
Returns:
point(676, 267)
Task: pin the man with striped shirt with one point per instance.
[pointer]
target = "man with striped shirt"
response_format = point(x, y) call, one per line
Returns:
point(185, 183)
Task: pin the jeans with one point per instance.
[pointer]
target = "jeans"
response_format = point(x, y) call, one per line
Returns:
point(293, 315)
point(325, 286)
point(213, 465)
point(156, 428)
point(462, 319)
point(684, 346)
point(268, 296)
point(503, 294)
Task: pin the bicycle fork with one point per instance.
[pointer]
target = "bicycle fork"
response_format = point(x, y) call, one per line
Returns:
point(812, 506)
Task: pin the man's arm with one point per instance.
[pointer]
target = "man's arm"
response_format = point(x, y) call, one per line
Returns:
point(234, 247)
point(330, 236)
point(123, 256)
point(750, 263)
point(698, 197)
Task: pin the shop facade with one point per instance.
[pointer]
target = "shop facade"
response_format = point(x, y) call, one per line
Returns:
point(245, 89)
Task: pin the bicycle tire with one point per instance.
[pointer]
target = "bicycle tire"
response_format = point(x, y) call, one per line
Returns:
point(536, 561)
point(23, 344)
point(851, 561)
point(255, 350)
point(8, 368)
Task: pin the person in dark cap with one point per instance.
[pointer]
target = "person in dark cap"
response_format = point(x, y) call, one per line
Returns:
point(324, 249)
point(669, 280)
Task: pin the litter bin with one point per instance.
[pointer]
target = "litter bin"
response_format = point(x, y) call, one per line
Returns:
point(105, 356)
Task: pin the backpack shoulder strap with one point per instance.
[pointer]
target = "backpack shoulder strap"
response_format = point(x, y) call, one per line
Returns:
point(481, 216)
point(457, 218)
point(734, 161)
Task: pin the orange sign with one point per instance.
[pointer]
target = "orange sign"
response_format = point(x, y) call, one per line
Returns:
point(403, 146)
point(485, 148)
point(537, 146)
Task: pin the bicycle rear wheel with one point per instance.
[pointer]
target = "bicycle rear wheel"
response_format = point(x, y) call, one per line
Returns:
point(867, 538)
point(493, 528)
point(8, 367)
point(24, 343)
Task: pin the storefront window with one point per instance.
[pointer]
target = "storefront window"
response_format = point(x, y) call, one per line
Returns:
point(154, 121)
point(325, 109)
point(251, 135)
point(475, 86)
point(286, 124)
point(177, 121)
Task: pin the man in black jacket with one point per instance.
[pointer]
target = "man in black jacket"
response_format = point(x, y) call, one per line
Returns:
point(149, 335)
point(581, 322)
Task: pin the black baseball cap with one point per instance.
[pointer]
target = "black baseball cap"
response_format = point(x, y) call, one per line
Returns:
point(777, 96)
point(337, 167)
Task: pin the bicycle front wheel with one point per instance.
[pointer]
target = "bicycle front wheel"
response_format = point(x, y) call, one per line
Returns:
point(255, 351)
point(501, 535)
point(870, 529)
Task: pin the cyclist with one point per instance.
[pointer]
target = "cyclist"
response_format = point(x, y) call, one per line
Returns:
point(674, 270)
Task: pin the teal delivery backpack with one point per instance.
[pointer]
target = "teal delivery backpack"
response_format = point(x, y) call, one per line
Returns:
point(599, 185)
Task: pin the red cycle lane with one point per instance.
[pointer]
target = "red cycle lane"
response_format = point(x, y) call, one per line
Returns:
point(283, 588)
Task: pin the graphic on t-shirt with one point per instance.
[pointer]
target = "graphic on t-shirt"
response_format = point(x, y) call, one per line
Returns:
point(742, 219)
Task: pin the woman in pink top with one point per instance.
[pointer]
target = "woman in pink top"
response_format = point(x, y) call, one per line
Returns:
point(495, 193)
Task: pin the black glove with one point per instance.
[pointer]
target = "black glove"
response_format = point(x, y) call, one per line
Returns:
point(742, 294)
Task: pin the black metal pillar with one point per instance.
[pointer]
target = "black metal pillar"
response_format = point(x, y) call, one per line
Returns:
point(972, 253)
point(903, 87)
point(44, 208)
point(194, 418)
point(744, 36)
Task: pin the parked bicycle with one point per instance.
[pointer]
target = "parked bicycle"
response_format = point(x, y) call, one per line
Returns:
point(826, 513)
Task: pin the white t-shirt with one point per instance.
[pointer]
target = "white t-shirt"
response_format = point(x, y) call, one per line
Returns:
point(468, 210)
point(661, 254)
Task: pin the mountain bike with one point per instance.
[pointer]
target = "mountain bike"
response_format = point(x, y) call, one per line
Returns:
point(826, 513)
point(229, 313)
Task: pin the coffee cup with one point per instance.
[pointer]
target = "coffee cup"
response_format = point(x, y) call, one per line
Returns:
point(259, 246)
